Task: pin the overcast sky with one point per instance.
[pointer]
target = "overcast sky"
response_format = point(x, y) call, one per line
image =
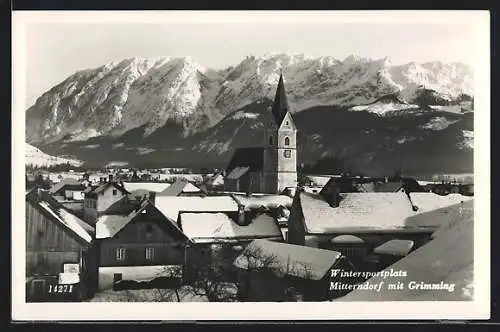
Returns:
point(57, 49)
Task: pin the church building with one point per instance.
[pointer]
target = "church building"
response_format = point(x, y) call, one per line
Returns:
point(272, 167)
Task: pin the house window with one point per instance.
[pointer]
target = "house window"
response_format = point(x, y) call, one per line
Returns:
point(115, 192)
point(287, 141)
point(120, 254)
point(149, 231)
point(271, 140)
point(150, 253)
point(287, 153)
point(287, 123)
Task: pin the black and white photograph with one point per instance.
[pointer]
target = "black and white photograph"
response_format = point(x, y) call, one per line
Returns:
point(251, 159)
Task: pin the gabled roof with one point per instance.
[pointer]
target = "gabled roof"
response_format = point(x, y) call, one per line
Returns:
point(106, 185)
point(170, 206)
point(146, 186)
point(56, 212)
point(280, 105)
point(287, 259)
point(108, 226)
point(217, 227)
point(448, 258)
point(64, 183)
point(361, 212)
point(268, 201)
point(178, 187)
point(252, 157)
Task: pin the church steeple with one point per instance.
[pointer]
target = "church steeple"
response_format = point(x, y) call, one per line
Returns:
point(280, 106)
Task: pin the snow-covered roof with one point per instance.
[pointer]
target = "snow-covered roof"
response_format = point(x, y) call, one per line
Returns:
point(448, 258)
point(237, 172)
point(395, 247)
point(68, 278)
point(207, 227)
point(358, 212)
point(287, 259)
point(65, 182)
point(149, 186)
point(430, 201)
point(342, 239)
point(269, 201)
point(108, 225)
point(170, 206)
point(178, 187)
point(72, 222)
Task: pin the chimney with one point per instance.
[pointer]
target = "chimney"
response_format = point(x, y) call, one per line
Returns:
point(152, 196)
point(241, 214)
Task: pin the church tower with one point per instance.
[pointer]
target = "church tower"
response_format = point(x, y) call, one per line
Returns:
point(280, 162)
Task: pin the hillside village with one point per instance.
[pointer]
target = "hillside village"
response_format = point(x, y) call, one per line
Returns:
point(257, 230)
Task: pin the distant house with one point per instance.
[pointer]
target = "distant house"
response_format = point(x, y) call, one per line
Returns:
point(141, 246)
point(355, 223)
point(59, 247)
point(140, 188)
point(273, 271)
point(67, 189)
point(443, 268)
point(99, 199)
point(182, 187)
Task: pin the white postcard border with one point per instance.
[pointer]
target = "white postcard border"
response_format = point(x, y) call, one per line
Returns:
point(479, 308)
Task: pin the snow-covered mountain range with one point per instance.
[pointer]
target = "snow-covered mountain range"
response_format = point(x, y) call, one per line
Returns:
point(35, 157)
point(138, 92)
point(175, 111)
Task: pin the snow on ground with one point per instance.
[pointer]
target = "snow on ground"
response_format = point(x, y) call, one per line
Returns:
point(467, 140)
point(186, 294)
point(136, 273)
point(382, 108)
point(36, 157)
point(438, 123)
point(449, 109)
point(245, 115)
point(91, 146)
point(117, 164)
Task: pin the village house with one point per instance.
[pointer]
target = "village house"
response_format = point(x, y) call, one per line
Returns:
point(67, 189)
point(273, 272)
point(356, 223)
point(272, 166)
point(99, 199)
point(219, 237)
point(59, 249)
point(440, 270)
point(141, 246)
point(277, 206)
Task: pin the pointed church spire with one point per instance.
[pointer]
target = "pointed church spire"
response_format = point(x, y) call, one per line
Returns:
point(280, 106)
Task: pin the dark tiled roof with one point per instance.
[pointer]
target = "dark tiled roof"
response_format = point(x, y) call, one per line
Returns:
point(252, 157)
point(68, 182)
point(280, 106)
point(105, 186)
